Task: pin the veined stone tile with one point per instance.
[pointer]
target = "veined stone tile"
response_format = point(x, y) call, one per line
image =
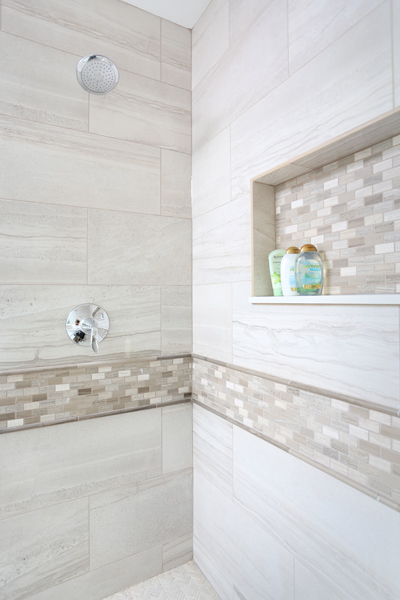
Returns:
point(176, 172)
point(177, 437)
point(176, 55)
point(128, 35)
point(62, 166)
point(210, 39)
point(212, 174)
point(241, 15)
point(43, 548)
point(310, 587)
point(176, 319)
point(396, 51)
point(143, 110)
point(178, 552)
point(264, 234)
point(338, 90)
point(139, 249)
point(32, 88)
point(41, 243)
point(212, 449)
point(51, 465)
point(328, 526)
point(312, 27)
point(212, 321)
point(134, 518)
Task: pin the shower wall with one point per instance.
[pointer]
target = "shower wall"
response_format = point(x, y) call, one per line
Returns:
point(94, 190)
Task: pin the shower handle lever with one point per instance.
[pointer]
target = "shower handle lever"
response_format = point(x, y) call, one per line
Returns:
point(89, 325)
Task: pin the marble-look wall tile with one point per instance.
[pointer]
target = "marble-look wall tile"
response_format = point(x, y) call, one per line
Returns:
point(242, 14)
point(176, 320)
point(238, 81)
point(222, 244)
point(33, 317)
point(330, 527)
point(128, 35)
point(131, 519)
point(176, 172)
point(351, 350)
point(108, 580)
point(232, 549)
point(212, 321)
point(212, 174)
point(314, 25)
point(41, 467)
point(177, 439)
point(396, 51)
point(41, 243)
point(178, 552)
point(61, 166)
point(43, 548)
point(263, 237)
point(145, 111)
point(212, 449)
point(210, 39)
point(176, 55)
point(340, 89)
point(126, 248)
point(38, 83)
point(310, 587)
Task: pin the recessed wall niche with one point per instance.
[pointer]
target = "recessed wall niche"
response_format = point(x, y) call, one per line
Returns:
point(343, 197)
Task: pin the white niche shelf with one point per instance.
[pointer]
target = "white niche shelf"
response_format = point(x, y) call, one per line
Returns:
point(263, 210)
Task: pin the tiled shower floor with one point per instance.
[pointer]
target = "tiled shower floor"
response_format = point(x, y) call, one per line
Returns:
point(183, 583)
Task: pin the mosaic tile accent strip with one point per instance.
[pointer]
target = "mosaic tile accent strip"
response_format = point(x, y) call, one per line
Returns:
point(183, 583)
point(350, 210)
point(358, 444)
point(48, 396)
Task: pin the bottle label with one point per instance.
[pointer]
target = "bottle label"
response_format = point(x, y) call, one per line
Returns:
point(292, 280)
point(310, 275)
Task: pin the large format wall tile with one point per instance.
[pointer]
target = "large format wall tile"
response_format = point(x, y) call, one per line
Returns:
point(61, 166)
point(131, 519)
point(176, 319)
point(43, 548)
point(146, 111)
point(241, 15)
point(177, 439)
point(33, 323)
point(212, 449)
point(176, 173)
point(212, 174)
point(39, 83)
point(221, 244)
point(212, 321)
point(396, 51)
point(314, 25)
point(129, 36)
point(210, 38)
point(254, 65)
point(309, 587)
point(352, 350)
point(41, 467)
point(333, 529)
point(178, 552)
point(176, 55)
point(41, 243)
point(232, 549)
point(338, 90)
point(126, 248)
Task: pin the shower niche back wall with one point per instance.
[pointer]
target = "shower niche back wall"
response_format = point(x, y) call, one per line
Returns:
point(345, 199)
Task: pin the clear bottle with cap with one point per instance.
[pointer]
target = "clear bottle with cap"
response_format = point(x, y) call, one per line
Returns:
point(309, 271)
point(289, 287)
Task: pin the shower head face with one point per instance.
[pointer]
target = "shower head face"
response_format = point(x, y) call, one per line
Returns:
point(97, 74)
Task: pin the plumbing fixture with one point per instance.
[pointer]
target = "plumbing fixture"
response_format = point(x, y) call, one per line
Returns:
point(87, 325)
point(97, 74)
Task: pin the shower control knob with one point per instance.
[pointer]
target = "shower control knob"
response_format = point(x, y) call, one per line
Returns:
point(87, 325)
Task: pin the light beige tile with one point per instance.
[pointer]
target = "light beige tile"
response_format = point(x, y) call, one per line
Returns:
point(263, 237)
point(176, 319)
point(176, 55)
point(109, 579)
point(134, 518)
point(310, 587)
point(127, 35)
point(33, 318)
point(176, 172)
point(138, 249)
point(42, 467)
point(145, 111)
point(315, 24)
point(177, 426)
point(254, 65)
point(242, 15)
point(43, 548)
point(178, 552)
point(212, 321)
point(357, 89)
point(38, 83)
point(210, 39)
point(212, 174)
point(41, 243)
point(61, 166)
point(221, 244)
point(396, 51)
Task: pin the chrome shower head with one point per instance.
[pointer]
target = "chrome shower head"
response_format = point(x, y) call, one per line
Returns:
point(97, 74)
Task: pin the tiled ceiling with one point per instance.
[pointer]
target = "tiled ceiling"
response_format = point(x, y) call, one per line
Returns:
point(182, 12)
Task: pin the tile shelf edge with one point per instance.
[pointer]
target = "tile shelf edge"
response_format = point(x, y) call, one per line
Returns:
point(357, 299)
